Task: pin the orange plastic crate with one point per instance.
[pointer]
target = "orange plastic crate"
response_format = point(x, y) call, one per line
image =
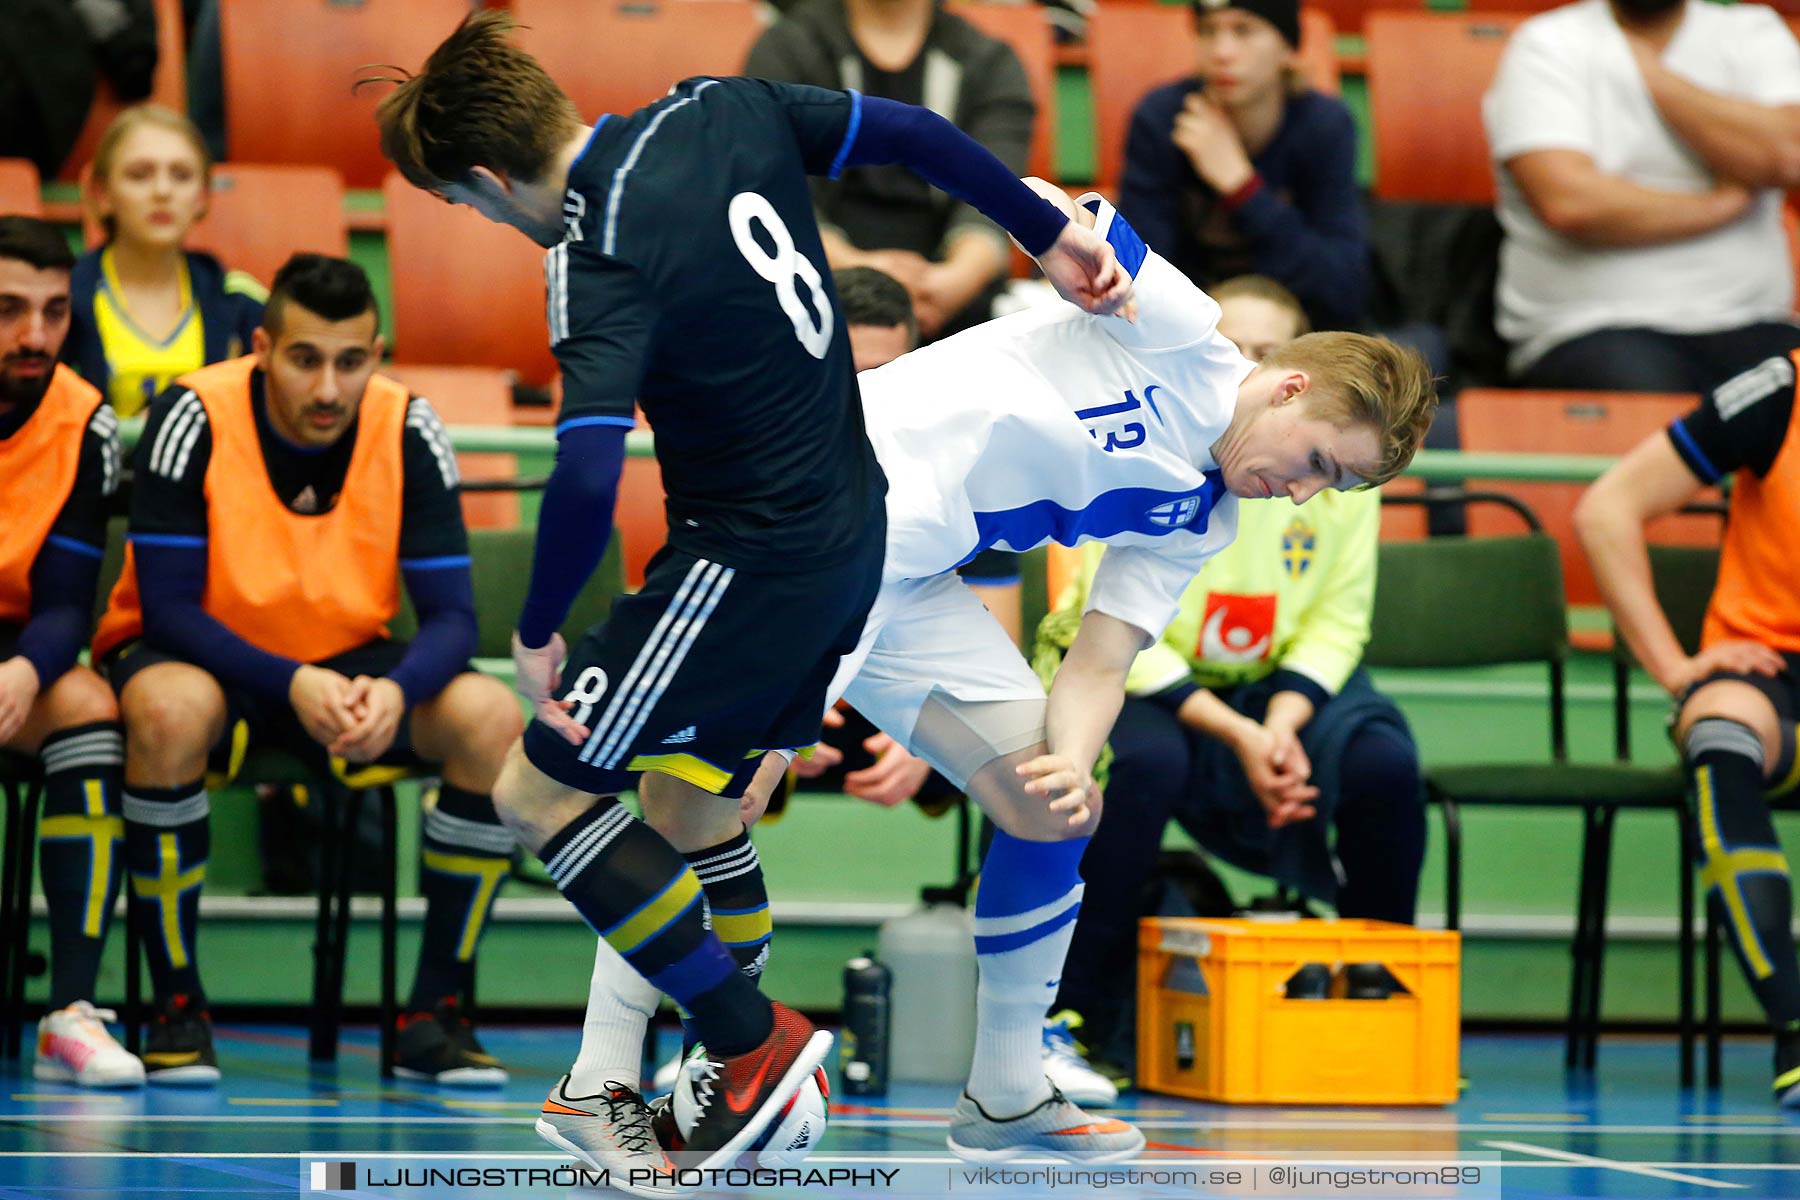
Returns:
point(1215, 1022)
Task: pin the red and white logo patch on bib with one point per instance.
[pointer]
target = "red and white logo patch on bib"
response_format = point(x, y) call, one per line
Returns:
point(1237, 628)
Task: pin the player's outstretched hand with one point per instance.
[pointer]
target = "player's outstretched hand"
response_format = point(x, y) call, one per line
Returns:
point(1083, 269)
point(537, 674)
point(1070, 790)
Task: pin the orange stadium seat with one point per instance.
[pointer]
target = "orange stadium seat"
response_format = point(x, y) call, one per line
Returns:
point(290, 66)
point(1499, 419)
point(616, 57)
point(168, 88)
point(1429, 141)
point(472, 396)
point(466, 291)
point(1135, 48)
point(1025, 29)
point(259, 215)
point(1524, 7)
point(21, 192)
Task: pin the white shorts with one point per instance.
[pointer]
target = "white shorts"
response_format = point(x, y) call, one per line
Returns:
point(936, 672)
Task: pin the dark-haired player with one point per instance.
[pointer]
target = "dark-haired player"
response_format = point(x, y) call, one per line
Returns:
point(685, 273)
point(280, 500)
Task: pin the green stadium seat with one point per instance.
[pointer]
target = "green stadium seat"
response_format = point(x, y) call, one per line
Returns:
point(1474, 602)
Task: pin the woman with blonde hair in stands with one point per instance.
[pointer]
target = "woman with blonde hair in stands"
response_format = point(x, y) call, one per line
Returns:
point(145, 309)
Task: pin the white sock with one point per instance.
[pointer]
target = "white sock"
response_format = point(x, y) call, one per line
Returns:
point(620, 1005)
point(1014, 993)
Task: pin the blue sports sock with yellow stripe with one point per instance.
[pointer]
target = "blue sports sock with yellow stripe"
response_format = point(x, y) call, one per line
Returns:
point(737, 900)
point(167, 844)
point(81, 848)
point(737, 909)
point(1742, 867)
point(640, 895)
point(465, 854)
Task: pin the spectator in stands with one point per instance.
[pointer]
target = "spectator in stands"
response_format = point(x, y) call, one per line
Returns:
point(878, 315)
point(281, 499)
point(1243, 168)
point(1739, 696)
point(1641, 148)
point(952, 259)
point(1251, 724)
point(1259, 315)
point(147, 311)
point(59, 465)
point(52, 54)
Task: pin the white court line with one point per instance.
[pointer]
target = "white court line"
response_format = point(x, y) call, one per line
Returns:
point(1587, 1160)
point(1660, 1170)
point(112, 1117)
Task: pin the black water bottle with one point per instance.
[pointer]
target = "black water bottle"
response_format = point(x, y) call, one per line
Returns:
point(863, 1049)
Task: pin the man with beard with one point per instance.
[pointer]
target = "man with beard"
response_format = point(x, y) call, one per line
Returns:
point(59, 463)
point(279, 501)
point(1641, 148)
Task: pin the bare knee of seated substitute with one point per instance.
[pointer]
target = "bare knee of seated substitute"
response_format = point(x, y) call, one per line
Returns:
point(1734, 701)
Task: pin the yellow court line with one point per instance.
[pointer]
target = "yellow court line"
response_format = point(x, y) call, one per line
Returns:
point(66, 1098)
point(493, 1105)
point(1571, 1118)
point(277, 1102)
point(1336, 1116)
point(1738, 1119)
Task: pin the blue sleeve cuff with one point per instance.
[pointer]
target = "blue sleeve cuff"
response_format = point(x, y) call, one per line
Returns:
point(590, 422)
point(1172, 698)
point(1692, 454)
point(1285, 680)
point(850, 132)
point(1127, 246)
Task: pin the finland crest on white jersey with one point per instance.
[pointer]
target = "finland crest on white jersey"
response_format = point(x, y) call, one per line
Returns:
point(1053, 425)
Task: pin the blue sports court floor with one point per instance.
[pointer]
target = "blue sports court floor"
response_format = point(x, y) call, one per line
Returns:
point(1629, 1132)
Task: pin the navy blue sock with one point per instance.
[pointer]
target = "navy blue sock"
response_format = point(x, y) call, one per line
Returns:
point(642, 897)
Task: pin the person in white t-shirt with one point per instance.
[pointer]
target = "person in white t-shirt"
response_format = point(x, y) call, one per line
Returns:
point(1641, 148)
point(1044, 426)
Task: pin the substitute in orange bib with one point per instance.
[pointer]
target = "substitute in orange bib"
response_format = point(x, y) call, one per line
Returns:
point(59, 466)
point(280, 499)
point(1738, 697)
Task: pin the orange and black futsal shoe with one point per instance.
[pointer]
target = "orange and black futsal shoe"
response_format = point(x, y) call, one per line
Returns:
point(723, 1105)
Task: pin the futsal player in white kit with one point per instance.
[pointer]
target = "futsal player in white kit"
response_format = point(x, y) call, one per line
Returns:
point(1053, 425)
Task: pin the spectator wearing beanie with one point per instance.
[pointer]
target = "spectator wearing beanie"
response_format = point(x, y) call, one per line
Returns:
point(1243, 169)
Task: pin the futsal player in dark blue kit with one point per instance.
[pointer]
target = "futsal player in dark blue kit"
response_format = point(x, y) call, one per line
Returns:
point(685, 273)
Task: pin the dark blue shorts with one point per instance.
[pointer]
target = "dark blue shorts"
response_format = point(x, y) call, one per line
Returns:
point(705, 669)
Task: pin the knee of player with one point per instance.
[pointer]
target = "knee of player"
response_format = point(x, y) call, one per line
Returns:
point(1728, 701)
point(481, 719)
point(1030, 819)
point(172, 711)
point(513, 795)
point(80, 697)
